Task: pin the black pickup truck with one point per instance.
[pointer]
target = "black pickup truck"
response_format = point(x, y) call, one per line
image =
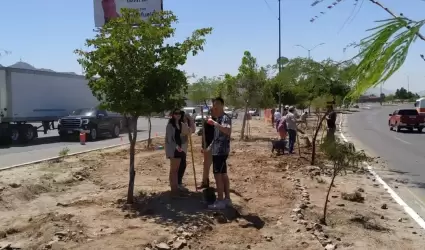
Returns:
point(94, 122)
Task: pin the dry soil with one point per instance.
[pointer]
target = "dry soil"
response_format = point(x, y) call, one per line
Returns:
point(79, 203)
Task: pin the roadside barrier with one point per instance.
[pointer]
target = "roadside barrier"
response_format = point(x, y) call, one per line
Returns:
point(268, 116)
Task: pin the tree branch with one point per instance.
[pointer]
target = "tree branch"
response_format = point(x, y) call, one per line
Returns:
point(395, 16)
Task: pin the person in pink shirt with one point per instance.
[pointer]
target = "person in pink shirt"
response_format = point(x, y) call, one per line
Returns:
point(109, 10)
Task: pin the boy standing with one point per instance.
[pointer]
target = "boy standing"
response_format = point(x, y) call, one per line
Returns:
point(220, 149)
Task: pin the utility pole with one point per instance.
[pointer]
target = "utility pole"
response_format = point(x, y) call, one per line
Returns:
point(279, 60)
point(408, 84)
point(408, 81)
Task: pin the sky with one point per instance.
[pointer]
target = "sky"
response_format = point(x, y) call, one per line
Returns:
point(44, 33)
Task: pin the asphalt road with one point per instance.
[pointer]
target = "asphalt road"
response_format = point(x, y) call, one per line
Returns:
point(403, 152)
point(49, 145)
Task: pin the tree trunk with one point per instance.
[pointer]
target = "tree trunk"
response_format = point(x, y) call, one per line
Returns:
point(325, 208)
point(132, 135)
point(318, 127)
point(244, 122)
point(149, 132)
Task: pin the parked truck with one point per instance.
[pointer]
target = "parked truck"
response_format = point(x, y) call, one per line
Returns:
point(37, 96)
point(92, 121)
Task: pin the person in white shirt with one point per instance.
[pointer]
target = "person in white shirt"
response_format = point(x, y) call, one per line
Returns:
point(291, 124)
point(277, 116)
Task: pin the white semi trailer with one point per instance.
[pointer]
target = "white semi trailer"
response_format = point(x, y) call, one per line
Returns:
point(36, 96)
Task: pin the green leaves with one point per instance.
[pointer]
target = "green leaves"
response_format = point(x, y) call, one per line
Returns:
point(302, 80)
point(204, 89)
point(384, 53)
point(248, 87)
point(133, 69)
point(343, 154)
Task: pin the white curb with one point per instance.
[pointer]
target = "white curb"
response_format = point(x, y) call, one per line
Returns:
point(418, 219)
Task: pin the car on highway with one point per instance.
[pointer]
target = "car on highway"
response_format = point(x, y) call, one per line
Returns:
point(406, 119)
point(94, 122)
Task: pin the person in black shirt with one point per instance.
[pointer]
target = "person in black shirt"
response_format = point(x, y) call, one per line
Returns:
point(331, 122)
point(188, 124)
point(209, 136)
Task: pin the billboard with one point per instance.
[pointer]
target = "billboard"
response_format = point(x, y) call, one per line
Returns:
point(105, 10)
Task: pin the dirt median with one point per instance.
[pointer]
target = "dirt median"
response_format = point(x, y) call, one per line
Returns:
point(78, 203)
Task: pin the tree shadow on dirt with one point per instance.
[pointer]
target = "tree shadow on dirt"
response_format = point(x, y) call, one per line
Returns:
point(188, 210)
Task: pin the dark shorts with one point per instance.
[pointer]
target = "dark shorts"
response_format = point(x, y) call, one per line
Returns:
point(219, 164)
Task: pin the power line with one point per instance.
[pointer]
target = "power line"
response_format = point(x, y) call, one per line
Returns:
point(270, 8)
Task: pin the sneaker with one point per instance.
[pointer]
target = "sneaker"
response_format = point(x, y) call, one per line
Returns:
point(218, 205)
point(228, 202)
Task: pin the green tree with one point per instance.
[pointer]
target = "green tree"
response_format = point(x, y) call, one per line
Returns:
point(200, 92)
point(302, 80)
point(403, 94)
point(132, 68)
point(204, 89)
point(343, 156)
point(248, 88)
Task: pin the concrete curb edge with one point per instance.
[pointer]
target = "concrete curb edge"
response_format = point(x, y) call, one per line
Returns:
point(73, 154)
point(415, 216)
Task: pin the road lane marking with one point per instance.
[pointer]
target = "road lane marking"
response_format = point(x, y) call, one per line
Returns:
point(417, 199)
point(412, 213)
point(403, 141)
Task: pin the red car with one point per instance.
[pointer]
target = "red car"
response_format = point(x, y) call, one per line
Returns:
point(406, 119)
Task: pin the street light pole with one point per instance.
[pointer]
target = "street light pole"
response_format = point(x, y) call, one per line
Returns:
point(279, 60)
point(408, 82)
point(309, 50)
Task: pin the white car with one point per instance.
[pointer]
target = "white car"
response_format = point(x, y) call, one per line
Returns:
point(231, 112)
point(198, 118)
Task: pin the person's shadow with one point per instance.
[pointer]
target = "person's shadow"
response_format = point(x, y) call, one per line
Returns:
point(188, 210)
